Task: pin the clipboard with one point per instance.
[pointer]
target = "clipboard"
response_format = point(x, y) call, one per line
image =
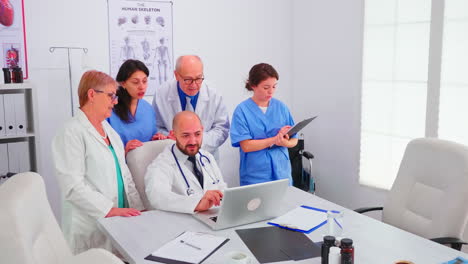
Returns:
point(297, 127)
point(270, 244)
point(289, 220)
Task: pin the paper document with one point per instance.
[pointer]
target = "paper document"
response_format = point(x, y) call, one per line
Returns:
point(304, 219)
point(189, 247)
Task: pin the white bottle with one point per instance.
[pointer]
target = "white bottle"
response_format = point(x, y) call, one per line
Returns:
point(334, 257)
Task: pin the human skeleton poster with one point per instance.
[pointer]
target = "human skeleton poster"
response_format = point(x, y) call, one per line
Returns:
point(142, 30)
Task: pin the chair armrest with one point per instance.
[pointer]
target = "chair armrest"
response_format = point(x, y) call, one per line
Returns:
point(95, 255)
point(454, 242)
point(307, 155)
point(368, 209)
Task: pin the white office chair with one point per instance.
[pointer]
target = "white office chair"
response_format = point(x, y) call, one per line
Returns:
point(29, 233)
point(138, 161)
point(430, 194)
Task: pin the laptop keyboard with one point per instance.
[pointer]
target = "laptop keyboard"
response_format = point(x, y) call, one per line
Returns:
point(214, 218)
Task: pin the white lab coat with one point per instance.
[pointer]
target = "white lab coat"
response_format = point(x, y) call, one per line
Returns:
point(166, 188)
point(210, 108)
point(87, 177)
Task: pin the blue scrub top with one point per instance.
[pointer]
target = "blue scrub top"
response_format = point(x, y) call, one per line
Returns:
point(249, 122)
point(141, 127)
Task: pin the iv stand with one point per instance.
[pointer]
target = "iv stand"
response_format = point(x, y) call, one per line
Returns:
point(85, 50)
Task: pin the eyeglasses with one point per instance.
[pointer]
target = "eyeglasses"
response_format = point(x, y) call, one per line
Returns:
point(190, 81)
point(112, 96)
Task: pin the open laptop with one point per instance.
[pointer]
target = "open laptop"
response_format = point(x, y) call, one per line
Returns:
point(246, 204)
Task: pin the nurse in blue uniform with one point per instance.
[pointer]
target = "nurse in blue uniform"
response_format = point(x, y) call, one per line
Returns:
point(259, 128)
point(133, 118)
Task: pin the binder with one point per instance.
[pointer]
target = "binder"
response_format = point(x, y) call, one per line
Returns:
point(304, 219)
point(14, 157)
point(3, 159)
point(18, 157)
point(9, 111)
point(2, 117)
point(20, 114)
point(24, 158)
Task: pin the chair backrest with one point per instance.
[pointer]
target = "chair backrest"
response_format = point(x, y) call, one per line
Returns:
point(430, 194)
point(29, 232)
point(139, 159)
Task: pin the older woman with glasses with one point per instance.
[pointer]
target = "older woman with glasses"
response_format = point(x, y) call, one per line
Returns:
point(133, 118)
point(90, 166)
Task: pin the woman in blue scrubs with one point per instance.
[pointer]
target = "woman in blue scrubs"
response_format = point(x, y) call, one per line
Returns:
point(259, 127)
point(133, 118)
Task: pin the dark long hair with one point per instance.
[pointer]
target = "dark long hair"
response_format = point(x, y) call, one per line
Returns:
point(122, 108)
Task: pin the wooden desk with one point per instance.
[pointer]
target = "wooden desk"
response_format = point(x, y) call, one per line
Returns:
point(375, 242)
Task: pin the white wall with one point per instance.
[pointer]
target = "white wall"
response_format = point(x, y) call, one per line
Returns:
point(230, 36)
point(327, 62)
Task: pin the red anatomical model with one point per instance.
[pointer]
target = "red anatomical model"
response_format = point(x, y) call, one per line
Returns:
point(12, 57)
point(6, 13)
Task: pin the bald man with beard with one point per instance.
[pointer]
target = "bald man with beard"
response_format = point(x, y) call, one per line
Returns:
point(184, 178)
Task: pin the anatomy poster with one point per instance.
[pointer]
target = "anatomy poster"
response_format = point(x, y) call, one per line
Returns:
point(12, 36)
point(142, 30)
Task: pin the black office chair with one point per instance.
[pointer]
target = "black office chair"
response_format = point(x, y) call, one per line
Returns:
point(302, 177)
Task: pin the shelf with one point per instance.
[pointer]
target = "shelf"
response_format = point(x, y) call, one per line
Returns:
point(20, 150)
point(15, 86)
point(27, 135)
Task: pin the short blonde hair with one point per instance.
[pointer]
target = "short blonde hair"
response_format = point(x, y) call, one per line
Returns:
point(92, 80)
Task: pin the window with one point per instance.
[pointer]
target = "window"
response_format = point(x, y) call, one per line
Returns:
point(453, 109)
point(394, 85)
point(415, 80)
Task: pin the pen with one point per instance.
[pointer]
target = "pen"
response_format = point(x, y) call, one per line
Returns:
point(190, 245)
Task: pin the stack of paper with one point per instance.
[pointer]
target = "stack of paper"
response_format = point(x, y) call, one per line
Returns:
point(189, 247)
point(303, 219)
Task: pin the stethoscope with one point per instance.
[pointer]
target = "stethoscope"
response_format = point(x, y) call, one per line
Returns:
point(190, 191)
